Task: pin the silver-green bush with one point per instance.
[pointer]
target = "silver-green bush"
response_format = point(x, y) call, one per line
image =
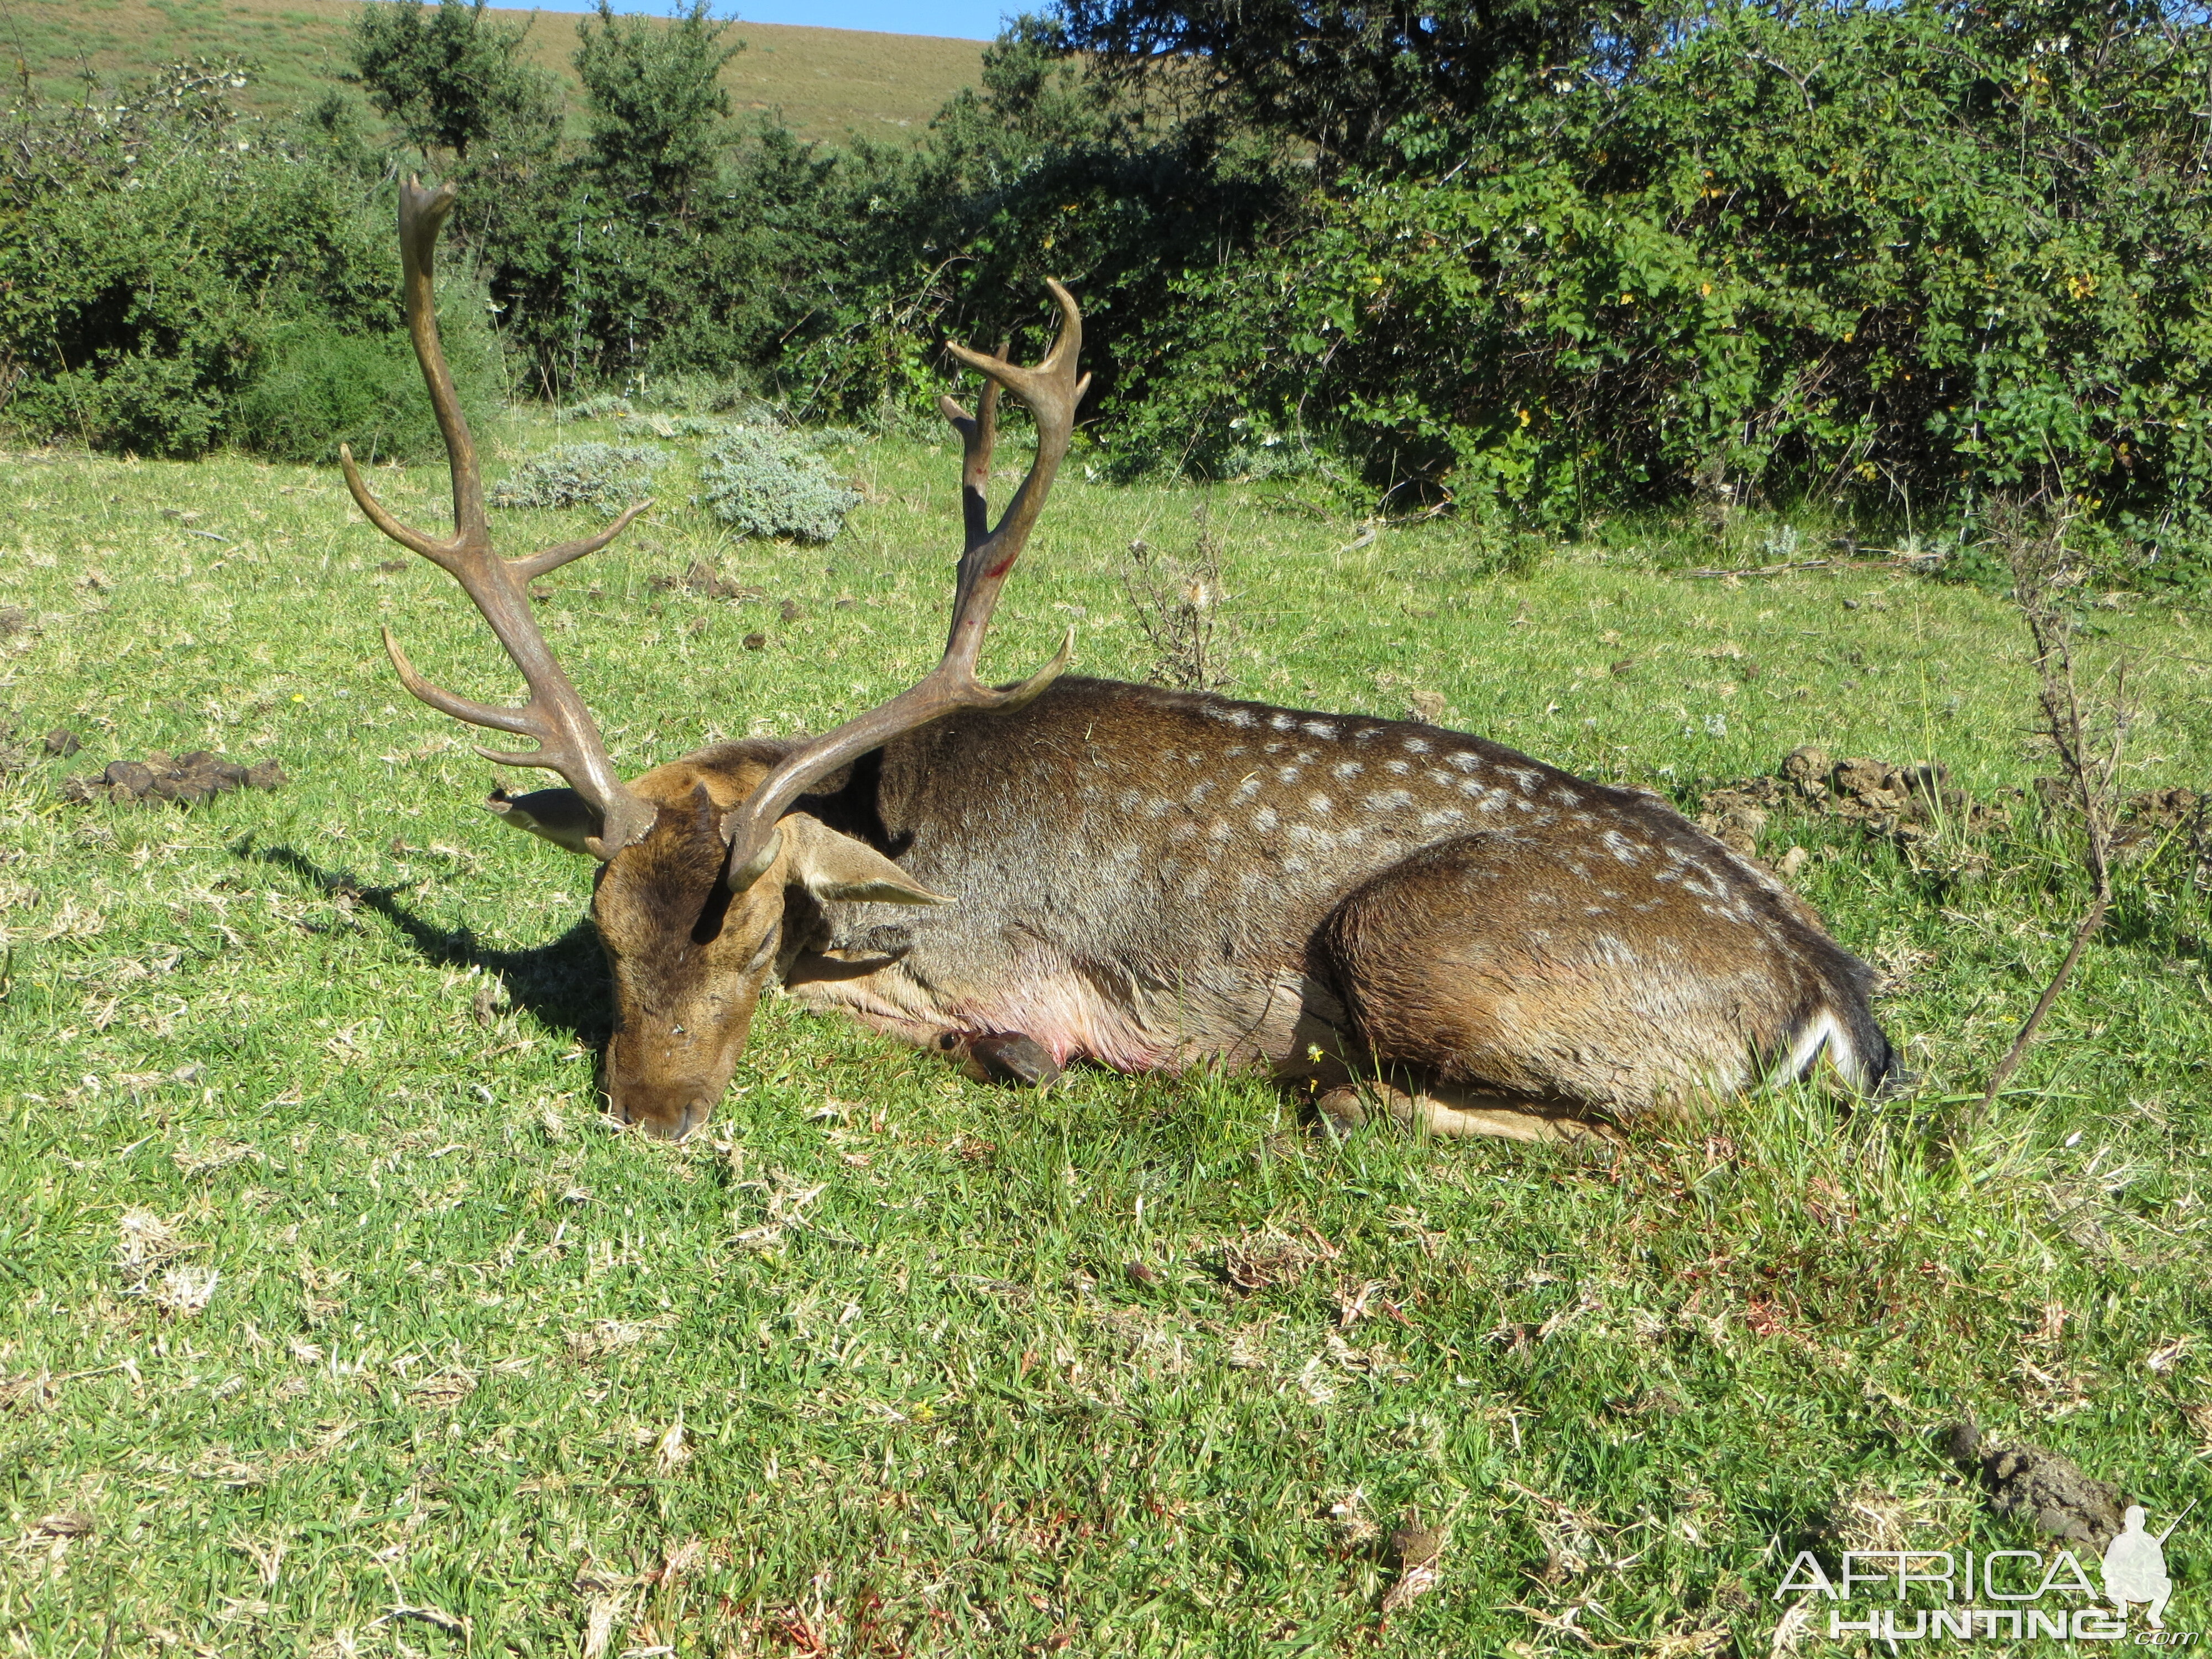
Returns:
point(762, 482)
point(609, 477)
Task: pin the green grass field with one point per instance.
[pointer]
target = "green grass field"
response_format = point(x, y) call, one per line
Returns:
point(335, 1320)
point(826, 83)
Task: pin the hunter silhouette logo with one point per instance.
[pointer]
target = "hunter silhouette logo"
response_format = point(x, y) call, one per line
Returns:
point(2134, 1566)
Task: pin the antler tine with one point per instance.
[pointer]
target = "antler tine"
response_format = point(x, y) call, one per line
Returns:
point(1052, 392)
point(553, 558)
point(978, 433)
point(568, 741)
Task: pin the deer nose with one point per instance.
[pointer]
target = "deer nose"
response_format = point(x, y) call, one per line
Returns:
point(673, 1124)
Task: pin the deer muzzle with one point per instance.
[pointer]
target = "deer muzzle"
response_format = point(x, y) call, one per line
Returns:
point(666, 1078)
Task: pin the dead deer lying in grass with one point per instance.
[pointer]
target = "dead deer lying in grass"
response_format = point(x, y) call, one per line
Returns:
point(1145, 877)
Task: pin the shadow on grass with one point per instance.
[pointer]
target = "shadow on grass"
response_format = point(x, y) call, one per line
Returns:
point(564, 985)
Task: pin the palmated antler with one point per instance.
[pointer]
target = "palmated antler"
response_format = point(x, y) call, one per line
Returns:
point(1051, 390)
point(569, 743)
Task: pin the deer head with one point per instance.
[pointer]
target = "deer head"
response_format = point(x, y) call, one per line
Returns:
point(697, 858)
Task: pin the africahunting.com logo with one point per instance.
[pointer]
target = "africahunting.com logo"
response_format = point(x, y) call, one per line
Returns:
point(2003, 1595)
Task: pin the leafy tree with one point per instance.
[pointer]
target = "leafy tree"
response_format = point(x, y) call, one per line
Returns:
point(1338, 74)
point(1036, 89)
point(660, 118)
point(1891, 257)
point(451, 79)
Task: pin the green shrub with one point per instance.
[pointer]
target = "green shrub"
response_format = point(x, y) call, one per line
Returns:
point(141, 402)
point(314, 388)
point(599, 408)
point(1889, 260)
point(152, 247)
point(609, 477)
point(766, 482)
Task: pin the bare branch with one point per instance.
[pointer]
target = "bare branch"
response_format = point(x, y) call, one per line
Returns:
point(2090, 762)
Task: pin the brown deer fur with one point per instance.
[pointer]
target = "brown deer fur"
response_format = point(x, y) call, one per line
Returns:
point(1149, 878)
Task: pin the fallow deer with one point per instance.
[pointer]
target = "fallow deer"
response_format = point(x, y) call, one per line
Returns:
point(1144, 877)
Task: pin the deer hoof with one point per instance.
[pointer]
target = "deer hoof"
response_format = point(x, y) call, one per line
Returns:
point(1341, 1111)
point(1019, 1060)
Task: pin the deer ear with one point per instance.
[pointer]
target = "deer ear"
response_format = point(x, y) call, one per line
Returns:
point(829, 866)
point(560, 816)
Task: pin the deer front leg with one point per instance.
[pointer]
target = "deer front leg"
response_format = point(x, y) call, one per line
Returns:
point(1442, 1110)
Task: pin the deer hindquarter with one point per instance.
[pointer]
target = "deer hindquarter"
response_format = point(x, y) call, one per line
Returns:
point(1147, 878)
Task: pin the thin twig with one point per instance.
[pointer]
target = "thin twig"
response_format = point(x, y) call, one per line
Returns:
point(2091, 766)
point(2018, 1052)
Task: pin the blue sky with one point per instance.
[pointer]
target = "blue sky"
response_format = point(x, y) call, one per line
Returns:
point(964, 20)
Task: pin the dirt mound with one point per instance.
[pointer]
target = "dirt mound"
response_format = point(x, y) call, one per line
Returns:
point(187, 779)
point(2154, 818)
point(1903, 804)
point(1910, 804)
point(16, 756)
point(2048, 1489)
point(703, 580)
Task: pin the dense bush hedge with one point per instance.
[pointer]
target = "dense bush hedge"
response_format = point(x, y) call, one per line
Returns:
point(1901, 256)
point(172, 277)
point(1537, 263)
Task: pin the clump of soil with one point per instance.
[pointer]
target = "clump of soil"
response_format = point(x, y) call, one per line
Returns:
point(2163, 809)
point(187, 779)
point(1910, 804)
point(2152, 819)
point(703, 580)
point(16, 756)
point(2050, 1491)
point(1903, 804)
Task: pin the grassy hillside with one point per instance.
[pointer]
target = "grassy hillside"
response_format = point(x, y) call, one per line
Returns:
point(827, 83)
point(332, 1315)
